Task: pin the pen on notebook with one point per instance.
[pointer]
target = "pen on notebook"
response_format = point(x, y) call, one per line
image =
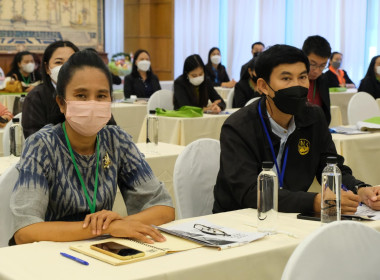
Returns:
point(74, 258)
point(344, 188)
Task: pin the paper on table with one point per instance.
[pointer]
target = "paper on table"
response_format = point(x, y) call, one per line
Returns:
point(364, 210)
point(369, 124)
point(350, 130)
point(208, 234)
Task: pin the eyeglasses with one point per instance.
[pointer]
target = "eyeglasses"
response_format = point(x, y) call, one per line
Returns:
point(210, 230)
point(320, 67)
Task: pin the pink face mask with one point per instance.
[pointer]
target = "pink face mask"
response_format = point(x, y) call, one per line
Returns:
point(88, 117)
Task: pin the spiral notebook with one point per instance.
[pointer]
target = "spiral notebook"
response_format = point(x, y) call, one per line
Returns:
point(171, 245)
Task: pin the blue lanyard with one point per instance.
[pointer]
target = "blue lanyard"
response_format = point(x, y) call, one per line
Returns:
point(280, 174)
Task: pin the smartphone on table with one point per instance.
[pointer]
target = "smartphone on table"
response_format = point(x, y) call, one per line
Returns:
point(117, 250)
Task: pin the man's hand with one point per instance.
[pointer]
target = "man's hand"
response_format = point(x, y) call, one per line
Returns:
point(370, 196)
point(99, 221)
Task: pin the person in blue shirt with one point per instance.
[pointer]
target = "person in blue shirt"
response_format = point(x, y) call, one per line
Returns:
point(69, 173)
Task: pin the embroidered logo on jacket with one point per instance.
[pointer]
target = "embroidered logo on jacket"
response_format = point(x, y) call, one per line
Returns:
point(303, 146)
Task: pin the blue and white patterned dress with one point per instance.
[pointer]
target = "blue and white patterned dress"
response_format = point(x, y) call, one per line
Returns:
point(48, 188)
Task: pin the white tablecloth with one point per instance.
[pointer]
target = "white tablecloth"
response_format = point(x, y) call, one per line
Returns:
point(8, 100)
point(129, 117)
point(341, 100)
point(378, 102)
point(183, 131)
point(361, 153)
point(167, 85)
point(336, 116)
point(223, 92)
point(261, 259)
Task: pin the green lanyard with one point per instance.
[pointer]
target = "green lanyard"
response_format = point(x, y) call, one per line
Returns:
point(315, 87)
point(27, 82)
point(93, 204)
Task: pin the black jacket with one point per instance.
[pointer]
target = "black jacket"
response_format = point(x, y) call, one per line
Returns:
point(244, 146)
point(243, 93)
point(134, 85)
point(332, 79)
point(185, 94)
point(325, 96)
point(370, 85)
point(40, 108)
point(222, 74)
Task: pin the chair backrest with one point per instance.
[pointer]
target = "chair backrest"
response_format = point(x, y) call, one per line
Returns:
point(251, 100)
point(230, 98)
point(162, 98)
point(7, 181)
point(339, 250)
point(194, 177)
point(6, 136)
point(361, 106)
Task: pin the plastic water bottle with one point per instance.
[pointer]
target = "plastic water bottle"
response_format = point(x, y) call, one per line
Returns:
point(16, 137)
point(331, 184)
point(267, 198)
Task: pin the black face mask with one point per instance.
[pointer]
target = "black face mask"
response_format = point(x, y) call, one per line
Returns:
point(254, 79)
point(291, 100)
point(256, 54)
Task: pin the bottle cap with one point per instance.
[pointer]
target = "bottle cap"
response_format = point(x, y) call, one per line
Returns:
point(15, 120)
point(267, 164)
point(332, 160)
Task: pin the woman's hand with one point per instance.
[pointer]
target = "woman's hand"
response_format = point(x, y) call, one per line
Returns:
point(213, 108)
point(100, 220)
point(135, 229)
point(229, 84)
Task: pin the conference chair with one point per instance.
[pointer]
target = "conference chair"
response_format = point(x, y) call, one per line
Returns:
point(194, 177)
point(339, 250)
point(162, 98)
point(362, 106)
point(6, 136)
point(251, 101)
point(230, 98)
point(7, 182)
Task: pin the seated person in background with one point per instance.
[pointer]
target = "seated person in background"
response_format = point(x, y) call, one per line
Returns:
point(141, 82)
point(192, 88)
point(245, 89)
point(275, 128)
point(256, 49)
point(40, 106)
point(23, 67)
point(5, 115)
point(371, 80)
point(216, 71)
point(318, 50)
point(337, 77)
point(70, 172)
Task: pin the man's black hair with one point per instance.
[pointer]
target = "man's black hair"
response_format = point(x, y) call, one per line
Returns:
point(317, 45)
point(257, 43)
point(277, 55)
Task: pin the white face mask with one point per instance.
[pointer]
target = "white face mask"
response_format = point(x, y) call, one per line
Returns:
point(28, 68)
point(378, 70)
point(54, 73)
point(143, 65)
point(197, 80)
point(216, 59)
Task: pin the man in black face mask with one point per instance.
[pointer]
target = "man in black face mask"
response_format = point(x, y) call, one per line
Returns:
point(283, 128)
point(256, 49)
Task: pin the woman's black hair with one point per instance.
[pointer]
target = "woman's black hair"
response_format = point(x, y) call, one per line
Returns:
point(276, 55)
point(209, 55)
point(79, 60)
point(193, 62)
point(47, 56)
point(371, 72)
point(17, 59)
point(332, 56)
point(135, 71)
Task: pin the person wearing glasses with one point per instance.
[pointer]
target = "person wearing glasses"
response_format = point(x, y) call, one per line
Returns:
point(69, 173)
point(337, 77)
point(282, 127)
point(318, 50)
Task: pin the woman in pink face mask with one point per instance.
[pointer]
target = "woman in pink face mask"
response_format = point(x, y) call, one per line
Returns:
point(69, 172)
